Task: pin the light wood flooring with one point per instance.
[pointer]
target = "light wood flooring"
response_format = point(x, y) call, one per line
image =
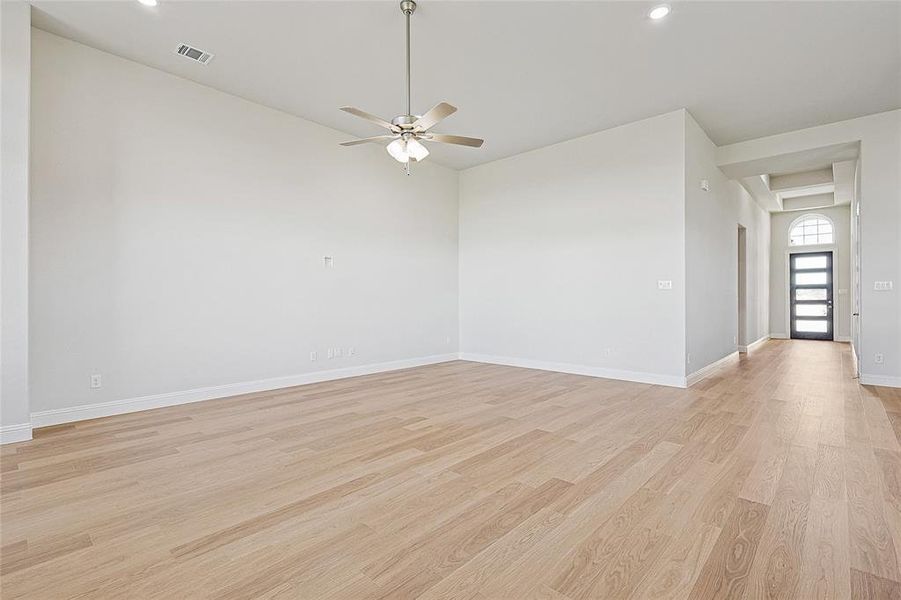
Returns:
point(777, 477)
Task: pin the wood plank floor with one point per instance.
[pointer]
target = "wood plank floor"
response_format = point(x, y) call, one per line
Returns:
point(777, 477)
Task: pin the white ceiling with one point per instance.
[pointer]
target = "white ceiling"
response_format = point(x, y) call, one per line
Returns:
point(523, 74)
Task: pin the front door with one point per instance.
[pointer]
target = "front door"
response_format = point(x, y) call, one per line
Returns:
point(810, 291)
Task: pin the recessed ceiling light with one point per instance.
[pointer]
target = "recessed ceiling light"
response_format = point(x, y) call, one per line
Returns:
point(658, 12)
point(148, 2)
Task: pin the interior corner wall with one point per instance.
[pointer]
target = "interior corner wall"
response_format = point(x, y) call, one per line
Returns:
point(712, 219)
point(178, 236)
point(781, 224)
point(562, 248)
point(15, 64)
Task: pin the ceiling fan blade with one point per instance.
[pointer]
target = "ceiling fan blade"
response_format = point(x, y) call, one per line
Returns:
point(454, 139)
point(436, 113)
point(370, 117)
point(375, 139)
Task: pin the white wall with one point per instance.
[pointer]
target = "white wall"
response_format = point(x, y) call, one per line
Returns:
point(841, 268)
point(561, 249)
point(15, 48)
point(178, 236)
point(711, 256)
point(880, 224)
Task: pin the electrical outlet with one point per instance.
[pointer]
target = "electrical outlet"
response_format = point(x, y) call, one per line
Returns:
point(331, 353)
point(313, 356)
point(351, 351)
point(878, 358)
point(689, 358)
point(96, 382)
point(734, 339)
point(339, 352)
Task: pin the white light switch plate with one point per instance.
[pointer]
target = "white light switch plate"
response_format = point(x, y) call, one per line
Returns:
point(882, 286)
point(664, 284)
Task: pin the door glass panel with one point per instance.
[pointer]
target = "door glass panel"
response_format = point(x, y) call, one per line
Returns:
point(810, 262)
point(810, 310)
point(813, 294)
point(810, 278)
point(810, 326)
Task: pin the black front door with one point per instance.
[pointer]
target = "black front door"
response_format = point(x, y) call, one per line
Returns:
point(810, 290)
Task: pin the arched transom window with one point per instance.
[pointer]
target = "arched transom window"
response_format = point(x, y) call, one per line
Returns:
point(811, 229)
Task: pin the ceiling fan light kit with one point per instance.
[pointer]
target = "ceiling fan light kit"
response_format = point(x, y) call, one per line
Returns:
point(408, 131)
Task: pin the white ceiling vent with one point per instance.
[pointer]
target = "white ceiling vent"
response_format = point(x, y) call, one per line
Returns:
point(194, 53)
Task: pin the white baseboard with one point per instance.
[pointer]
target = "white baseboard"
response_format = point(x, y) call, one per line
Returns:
point(882, 380)
point(10, 434)
point(703, 372)
point(842, 338)
point(526, 363)
point(57, 416)
point(752, 345)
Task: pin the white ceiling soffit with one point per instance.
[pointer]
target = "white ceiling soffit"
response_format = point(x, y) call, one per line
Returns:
point(812, 190)
point(793, 162)
point(843, 174)
point(774, 181)
point(757, 186)
point(523, 74)
point(788, 183)
point(808, 202)
point(805, 189)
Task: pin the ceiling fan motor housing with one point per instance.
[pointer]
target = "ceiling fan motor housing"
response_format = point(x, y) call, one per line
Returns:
point(405, 121)
point(408, 7)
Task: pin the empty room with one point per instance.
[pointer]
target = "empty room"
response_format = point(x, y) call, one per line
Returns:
point(495, 300)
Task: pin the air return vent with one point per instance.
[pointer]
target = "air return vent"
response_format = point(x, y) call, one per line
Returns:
point(194, 54)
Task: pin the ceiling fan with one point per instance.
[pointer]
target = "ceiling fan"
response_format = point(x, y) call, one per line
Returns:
point(408, 131)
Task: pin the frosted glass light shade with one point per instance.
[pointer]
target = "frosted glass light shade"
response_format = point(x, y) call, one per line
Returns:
point(398, 150)
point(416, 149)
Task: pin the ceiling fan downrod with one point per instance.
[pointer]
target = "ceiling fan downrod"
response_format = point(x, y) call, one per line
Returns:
point(408, 7)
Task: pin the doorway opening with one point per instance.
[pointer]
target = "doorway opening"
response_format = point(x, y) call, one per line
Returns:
point(742, 336)
point(810, 295)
